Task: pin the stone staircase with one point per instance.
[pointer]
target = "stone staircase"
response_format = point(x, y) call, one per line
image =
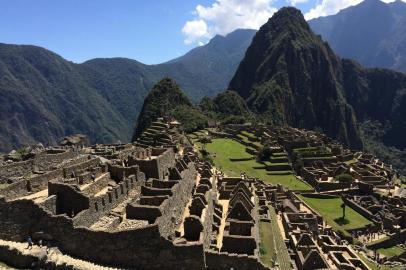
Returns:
point(53, 260)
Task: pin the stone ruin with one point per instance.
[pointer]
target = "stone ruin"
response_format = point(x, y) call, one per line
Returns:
point(154, 205)
point(131, 206)
point(162, 133)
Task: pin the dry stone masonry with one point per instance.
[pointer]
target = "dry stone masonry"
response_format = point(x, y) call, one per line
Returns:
point(155, 205)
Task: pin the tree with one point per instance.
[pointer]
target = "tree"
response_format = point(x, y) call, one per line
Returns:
point(344, 179)
point(264, 154)
point(205, 140)
point(343, 207)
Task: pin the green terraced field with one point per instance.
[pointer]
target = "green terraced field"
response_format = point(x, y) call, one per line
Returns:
point(391, 251)
point(331, 211)
point(224, 149)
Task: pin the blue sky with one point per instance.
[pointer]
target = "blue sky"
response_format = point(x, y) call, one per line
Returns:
point(150, 31)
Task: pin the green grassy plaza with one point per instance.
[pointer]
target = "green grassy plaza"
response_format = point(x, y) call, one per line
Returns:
point(331, 211)
point(222, 150)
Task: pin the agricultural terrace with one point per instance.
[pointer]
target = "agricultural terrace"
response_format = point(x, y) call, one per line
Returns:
point(231, 157)
point(392, 251)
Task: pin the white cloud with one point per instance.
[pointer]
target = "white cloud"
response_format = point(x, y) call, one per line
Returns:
point(224, 16)
point(194, 31)
point(295, 2)
point(330, 7)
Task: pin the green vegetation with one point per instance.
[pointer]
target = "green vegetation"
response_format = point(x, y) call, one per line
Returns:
point(373, 134)
point(263, 79)
point(3, 185)
point(392, 251)
point(230, 103)
point(272, 247)
point(344, 178)
point(267, 244)
point(101, 97)
point(166, 99)
point(224, 150)
point(282, 256)
point(246, 140)
point(331, 211)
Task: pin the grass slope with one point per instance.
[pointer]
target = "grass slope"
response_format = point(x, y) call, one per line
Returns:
point(223, 150)
point(331, 211)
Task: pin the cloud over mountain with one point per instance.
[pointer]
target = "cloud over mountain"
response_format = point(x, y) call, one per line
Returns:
point(330, 7)
point(224, 16)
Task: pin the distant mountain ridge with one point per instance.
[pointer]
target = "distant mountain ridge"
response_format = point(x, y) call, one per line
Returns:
point(372, 32)
point(289, 75)
point(44, 97)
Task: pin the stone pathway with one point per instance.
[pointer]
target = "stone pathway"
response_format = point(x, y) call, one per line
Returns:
point(55, 256)
point(282, 252)
point(224, 203)
point(36, 197)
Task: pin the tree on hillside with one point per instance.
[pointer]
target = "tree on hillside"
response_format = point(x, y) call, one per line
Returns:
point(264, 153)
point(205, 140)
point(344, 179)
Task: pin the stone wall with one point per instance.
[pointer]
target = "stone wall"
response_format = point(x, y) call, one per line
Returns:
point(99, 206)
point(172, 208)
point(92, 162)
point(16, 169)
point(43, 162)
point(158, 166)
point(36, 183)
point(48, 160)
point(361, 210)
point(395, 239)
point(119, 172)
point(141, 248)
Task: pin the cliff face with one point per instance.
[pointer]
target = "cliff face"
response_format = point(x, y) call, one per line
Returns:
point(290, 76)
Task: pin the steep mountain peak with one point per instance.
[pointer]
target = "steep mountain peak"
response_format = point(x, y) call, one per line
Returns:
point(288, 16)
point(290, 76)
point(161, 100)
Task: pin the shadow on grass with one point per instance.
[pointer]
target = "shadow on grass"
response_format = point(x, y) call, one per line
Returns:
point(341, 221)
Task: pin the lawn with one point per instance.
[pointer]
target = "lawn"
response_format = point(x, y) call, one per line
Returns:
point(248, 134)
point(391, 251)
point(267, 244)
point(331, 211)
point(245, 138)
point(270, 241)
point(224, 149)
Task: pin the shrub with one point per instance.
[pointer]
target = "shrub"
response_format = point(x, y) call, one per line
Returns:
point(344, 178)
